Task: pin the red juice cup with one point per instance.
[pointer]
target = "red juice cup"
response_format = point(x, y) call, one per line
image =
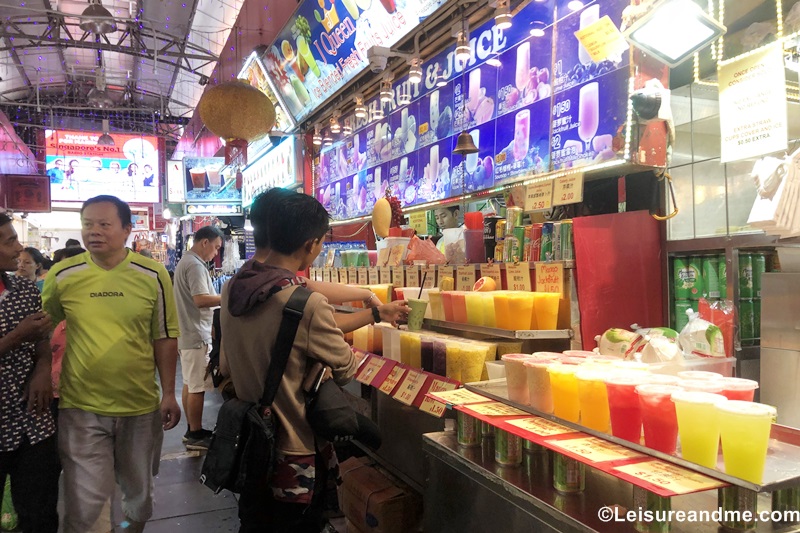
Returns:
point(459, 308)
point(623, 406)
point(662, 379)
point(739, 389)
point(659, 420)
point(712, 386)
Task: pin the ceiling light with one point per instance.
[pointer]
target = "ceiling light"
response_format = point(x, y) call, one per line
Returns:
point(97, 19)
point(415, 72)
point(575, 5)
point(203, 80)
point(502, 14)
point(494, 61)
point(361, 109)
point(327, 140)
point(404, 98)
point(537, 29)
point(377, 113)
point(335, 127)
point(440, 79)
point(317, 138)
point(462, 47)
point(99, 98)
point(386, 91)
point(347, 129)
point(656, 32)
point(105, 139)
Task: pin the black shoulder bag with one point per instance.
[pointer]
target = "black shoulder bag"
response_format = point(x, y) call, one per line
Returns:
point(243, 446)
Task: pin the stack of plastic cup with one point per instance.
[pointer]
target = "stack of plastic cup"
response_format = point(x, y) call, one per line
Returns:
point(447, 305)
point(623, 405)
point(517, 377)
point(593, 398)
point(437, 305)
point(745, 428)
point(739, 389)
point(659, 420)
point(564, 386)
point(459, 307)
point(698, 425)
point(713, 386)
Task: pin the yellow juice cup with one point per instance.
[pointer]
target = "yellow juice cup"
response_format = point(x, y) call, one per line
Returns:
point(744, 428)
point(698, 426)
point(593, 399)
point(453, 361)
point(475, 310)
point(437, 305)
point(517, 377)
point(487, 301)
point(520, 308)
point(473, 361)
point(405, 348)
point(501, 310)
point(383, 292)
point(545, 305)
point(564, 386)
point(415, 351)
point(361, 339)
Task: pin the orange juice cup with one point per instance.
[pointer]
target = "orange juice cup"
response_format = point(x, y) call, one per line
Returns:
point(593, 399)
point(564, 386)
point(447, 305)
point(517, 377)
point(545, 305)
point(520, 308)
point(501, 310)
point(459, 307)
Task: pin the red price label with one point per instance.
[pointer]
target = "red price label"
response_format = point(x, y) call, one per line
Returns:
point(410, 387)
point(394, 378)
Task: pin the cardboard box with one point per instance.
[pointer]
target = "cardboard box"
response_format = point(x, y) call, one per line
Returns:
point(374, 503)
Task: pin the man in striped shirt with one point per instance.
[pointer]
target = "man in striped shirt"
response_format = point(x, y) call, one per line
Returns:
point(122, 326)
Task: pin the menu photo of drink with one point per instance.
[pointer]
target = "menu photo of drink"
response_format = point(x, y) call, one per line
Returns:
point(378, 183)
point(403, 124)
point(479, 102)
point(379, 143)
point(206, 182)
point(586, 119)
point(355, 152)
point(522, 141)
point(436, 116)
point(333, 164)
point(436, 171)
point(403, 180)
point(529, 80)
point(476, 171)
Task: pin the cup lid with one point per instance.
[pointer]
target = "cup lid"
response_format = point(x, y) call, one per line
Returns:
point(554, 355)
point(592, 374)
point(603, 359)
point(561, 368)
point(579, 353)
point(574, 361)
point(705, 398)
point(650, 389)
point(738, 384)
point(663, 379)
point(631, 365)
point(739, 407)
point(702, 385)
point(538, 363)
point(515, 357)
point(699, 374)
point(627, 378)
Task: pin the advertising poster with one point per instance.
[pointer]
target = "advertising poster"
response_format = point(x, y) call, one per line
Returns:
point(378, 184)
point(572, 64)
point(255, 72)
point(176, 181)
point(404, 178)
point(524, 76)
point(479, 100)
point(522, 142)
point(276, 168)
point(206, 181)
point(333, 164)
point(585, 120)
point(436, 171)
point(79, 169)
point(355, 152)
point(28, 193)
point(325, 43)
point(379, 143)
point(436, 115)
point(403, 124)
point(475, 172)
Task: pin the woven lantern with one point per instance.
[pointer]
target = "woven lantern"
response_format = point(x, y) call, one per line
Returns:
point(239, 113)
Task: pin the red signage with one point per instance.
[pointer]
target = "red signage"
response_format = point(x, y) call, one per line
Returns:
point(27, 193)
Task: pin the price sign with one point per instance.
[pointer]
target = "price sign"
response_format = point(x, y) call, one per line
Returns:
point(342, 275)
point(465, 277)
point(496, 409)
point(550, 277)
point(419, 222)
point(518, 277)
point(492, 271)
point(370, 369)
point(434, 407)
point(385, 275)
point(398, 279)
point(330, 258)
point(383, 256)
point(429, 274)
point(393, 379)
point(445, 271)
point(539, 196)
point(458, 397)
point(412, 276)
point(568, 189)
point(326, 275)
point(595, 450)
point(541, 426)
point(602, 39)
point(373, 276)
point(362, 276)
point(352, 275)
point(410, 387)
point(670, 477)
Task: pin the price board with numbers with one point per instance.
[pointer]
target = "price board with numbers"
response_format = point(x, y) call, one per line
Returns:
point(412, 276)
point(666, 479)
point(594, 450)
point(326, 275)
point(495, 409)
point(362, 276)
point(568, 189)
point(370, 370)
point(458, 397)
point(398, 276)
point(373, 277)
point(432, 406)
point(550, 277)
point(394, 377)
point(518, 277)
point(352, 275)
point(541, 426)
point(411, 387)
point(385, 274)
point(492, 271)
point(342, 275)
point(429, 275)
point(539, 196)
point(465, 277)
point(446, 271)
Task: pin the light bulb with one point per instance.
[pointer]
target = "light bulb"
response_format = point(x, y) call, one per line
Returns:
point(415, 72)
point(360, 109)
point(575, 5)
point(537, 29)
point(502, 15)
point(462, 47)
point(386, 91)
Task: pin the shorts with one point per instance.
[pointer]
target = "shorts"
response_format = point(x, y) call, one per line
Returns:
point(193, 368)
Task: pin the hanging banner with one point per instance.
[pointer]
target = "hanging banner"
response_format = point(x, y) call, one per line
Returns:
point(752, 105)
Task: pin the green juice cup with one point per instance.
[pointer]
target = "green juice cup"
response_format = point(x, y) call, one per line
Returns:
point(417, 314)
point(308, 56)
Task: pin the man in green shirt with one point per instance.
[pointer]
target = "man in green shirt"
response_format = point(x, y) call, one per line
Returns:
point(122, 326)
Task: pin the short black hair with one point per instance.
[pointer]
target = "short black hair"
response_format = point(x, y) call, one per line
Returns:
point(451, 208)
point(293, 221)
point(64, 253)
point(36, 255)
point(208, 232)
point(263, 205)
point(4, 219)
point(123, 209)
point(72, 243)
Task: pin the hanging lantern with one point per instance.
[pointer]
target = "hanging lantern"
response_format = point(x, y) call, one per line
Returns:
point(239, 113)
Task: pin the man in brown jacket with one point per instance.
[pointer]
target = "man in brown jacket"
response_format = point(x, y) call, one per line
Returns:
point(288, 237)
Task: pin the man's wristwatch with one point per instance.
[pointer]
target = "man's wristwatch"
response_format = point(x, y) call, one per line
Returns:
point(376, 315)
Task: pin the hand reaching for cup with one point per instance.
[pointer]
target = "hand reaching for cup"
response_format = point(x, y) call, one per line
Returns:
point(394, 311)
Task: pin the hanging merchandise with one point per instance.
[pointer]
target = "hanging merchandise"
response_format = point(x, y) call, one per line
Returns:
point(231, 259)
point(776, 205)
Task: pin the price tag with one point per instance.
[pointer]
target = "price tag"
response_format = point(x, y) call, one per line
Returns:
point(372, 276)
point(412, 276)
point(385, 275)
point(370, 369)
point(458, 397)
point(434, 407)
point(518, 277)
point(568, 189)
point(602, 39)
point(330, 258)
point(397, 276)
point(492, 271)
point(352, 275)
point(595, 450)
point(550, 277)
point(393, 379)
point(446, 271)
point(326, 275)
point(465, 277)
point(429, 275)
point(342, 275)
point(383, 256)
point(362, 276)
point(670, 477)
point(496, 409)
point(539, 196)
point(541, 426)
point(419, 222)
point(410, 387)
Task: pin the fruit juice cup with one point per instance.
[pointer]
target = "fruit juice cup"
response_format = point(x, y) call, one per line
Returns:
point(453, 360)
point(659, 420)
point(473, 361)
point(545, 305)
point(520, 309)
point(593, 399)
point(739, 389)
point(712, 386)
point(405, 348)
point(662, 379)
point(539, 392)
point(475, 310)
point(698, 426)
point(623, 405)
point(501, 310)
point(447, 305)
point(574, 361)
point(699, 374)
point(487, 301)
point(517, 377)
point(579, 353)
point(417, 313)
point(437, 305)
point(459, 307)
point(564, 386)
point(630, 366)
point(440, 357)
point(744, 428)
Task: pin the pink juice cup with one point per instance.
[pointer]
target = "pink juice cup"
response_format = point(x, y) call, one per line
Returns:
point(739, 389)
point(659, 420)
point(623, 406)
point(517, 377)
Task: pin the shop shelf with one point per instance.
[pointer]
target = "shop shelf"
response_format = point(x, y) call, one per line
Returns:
point(531, 334)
